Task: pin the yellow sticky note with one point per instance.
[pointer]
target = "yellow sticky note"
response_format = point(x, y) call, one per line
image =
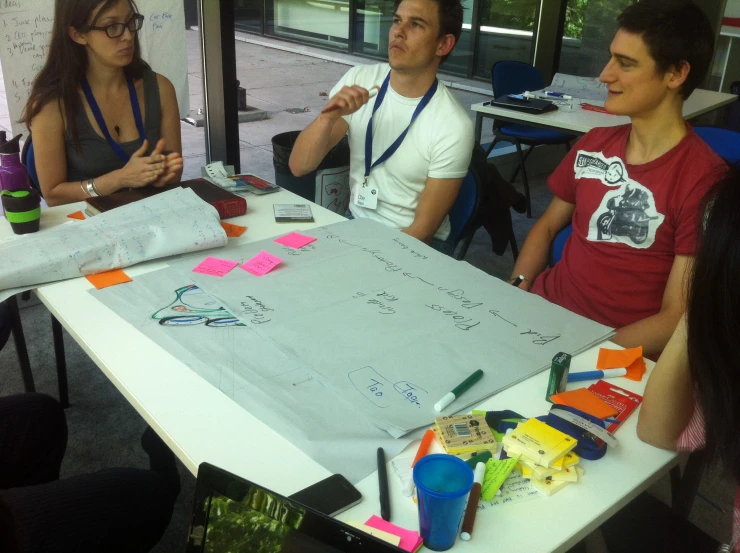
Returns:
point(496, 473)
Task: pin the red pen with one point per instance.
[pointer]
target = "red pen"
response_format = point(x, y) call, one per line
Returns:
point(591, 107)
point(426, 441)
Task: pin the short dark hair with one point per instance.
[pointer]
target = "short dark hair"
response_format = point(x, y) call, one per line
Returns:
point(450, 19)
point(675, 32)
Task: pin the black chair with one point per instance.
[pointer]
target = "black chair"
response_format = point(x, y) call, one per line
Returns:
point(10, 323)
point(515, 77)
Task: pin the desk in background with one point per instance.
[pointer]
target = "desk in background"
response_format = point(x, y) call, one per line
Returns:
point(201, 424)
point(731, 33)
point(580, 121)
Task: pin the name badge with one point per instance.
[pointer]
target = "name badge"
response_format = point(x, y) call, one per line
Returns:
point(366, 196)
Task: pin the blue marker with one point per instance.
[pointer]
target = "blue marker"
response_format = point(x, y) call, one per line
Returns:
point(558, 95)
point(595, 375)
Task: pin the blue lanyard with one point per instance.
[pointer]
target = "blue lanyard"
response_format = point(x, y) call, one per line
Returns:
point(101, 122)
point(393, 147)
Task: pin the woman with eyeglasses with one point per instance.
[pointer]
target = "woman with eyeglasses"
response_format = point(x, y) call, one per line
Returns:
point(101, 119)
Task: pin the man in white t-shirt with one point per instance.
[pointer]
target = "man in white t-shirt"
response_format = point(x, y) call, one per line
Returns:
point(413, 184)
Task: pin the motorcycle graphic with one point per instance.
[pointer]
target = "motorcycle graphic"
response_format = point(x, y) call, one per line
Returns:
point(626, 216)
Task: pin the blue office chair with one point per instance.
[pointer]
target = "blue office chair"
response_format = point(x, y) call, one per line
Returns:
point(725, 142)
point(514, 77)
point(28, 158)
point(463, 213)
point(556, 250)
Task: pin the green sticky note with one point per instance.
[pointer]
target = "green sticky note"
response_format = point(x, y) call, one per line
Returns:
point(496, 473)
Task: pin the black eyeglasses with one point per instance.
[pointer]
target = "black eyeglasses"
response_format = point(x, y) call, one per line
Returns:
point(115, 30)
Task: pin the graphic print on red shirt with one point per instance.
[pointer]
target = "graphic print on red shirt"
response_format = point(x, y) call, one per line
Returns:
point(627, 212)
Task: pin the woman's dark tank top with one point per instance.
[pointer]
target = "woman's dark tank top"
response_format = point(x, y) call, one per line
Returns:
point(96, 157)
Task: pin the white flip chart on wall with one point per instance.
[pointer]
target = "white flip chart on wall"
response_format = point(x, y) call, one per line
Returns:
point(25, 33)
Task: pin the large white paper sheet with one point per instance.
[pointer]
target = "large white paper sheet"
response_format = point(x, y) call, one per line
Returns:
point(170, 223)
point(364, 329)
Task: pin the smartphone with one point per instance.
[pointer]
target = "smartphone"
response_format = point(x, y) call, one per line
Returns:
point(330, 496)
point(519, 97)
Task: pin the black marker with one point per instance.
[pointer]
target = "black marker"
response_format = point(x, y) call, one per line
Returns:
point(385, 501)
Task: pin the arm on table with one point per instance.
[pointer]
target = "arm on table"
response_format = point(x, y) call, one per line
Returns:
point(668, 403)
point(535, 253)
point(49, 145)
point(652, 333)
point(435, 202)
point(169, 131)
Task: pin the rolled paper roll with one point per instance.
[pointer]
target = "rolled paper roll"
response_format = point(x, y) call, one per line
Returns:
point(22, 209)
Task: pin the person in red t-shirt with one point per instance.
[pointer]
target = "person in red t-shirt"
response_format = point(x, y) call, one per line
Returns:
point(632, 193)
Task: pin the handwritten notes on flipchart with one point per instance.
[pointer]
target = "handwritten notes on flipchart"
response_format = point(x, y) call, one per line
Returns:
point(352, 339)
point(25, 33)
point(169, 223)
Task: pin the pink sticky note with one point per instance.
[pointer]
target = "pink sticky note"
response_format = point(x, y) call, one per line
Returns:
point(215, 267)
point(261, 264)
point(409, 538)
point(295, 240)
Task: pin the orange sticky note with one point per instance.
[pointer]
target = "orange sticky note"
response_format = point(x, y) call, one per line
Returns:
point(77, 215)
point(108, 278)
point(586, 401)
point(233, 231)
point(630, 359)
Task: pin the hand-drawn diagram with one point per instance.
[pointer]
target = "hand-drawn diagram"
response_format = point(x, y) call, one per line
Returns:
point(191, 307)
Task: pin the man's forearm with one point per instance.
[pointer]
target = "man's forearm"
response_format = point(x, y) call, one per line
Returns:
point(652, 333)
point(312, 146)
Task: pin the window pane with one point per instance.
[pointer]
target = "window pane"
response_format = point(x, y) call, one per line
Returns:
point(506, 33)
point(374, 19)
point(322, 22)
point(590, 26)
point(248, 15)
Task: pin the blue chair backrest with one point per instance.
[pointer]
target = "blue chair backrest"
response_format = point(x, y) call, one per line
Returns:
point(559, 243)
point(724, 142)
point(464, 206)
point(514, 77)
point(28, 158)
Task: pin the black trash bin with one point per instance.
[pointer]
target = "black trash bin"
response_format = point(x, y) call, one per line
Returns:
point(306, 186)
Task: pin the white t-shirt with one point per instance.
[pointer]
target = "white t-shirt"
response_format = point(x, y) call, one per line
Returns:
point(438, 145)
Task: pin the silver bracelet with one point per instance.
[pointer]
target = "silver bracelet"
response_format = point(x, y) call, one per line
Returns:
point(82, 187)
point(91, 191)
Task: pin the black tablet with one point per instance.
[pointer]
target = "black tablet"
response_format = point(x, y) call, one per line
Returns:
point(531, 105)
point(233, 515)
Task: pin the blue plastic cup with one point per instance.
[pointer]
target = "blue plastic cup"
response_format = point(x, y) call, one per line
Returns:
point(443, 483)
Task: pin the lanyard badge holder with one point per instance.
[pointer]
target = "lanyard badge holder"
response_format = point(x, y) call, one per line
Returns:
point(366, 195)
point(101, 122)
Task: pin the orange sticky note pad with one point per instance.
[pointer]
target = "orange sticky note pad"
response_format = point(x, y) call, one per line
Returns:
point(630, 359)
point(233, 231)
point(586, 401)
point(77, 215)
point(108, 278)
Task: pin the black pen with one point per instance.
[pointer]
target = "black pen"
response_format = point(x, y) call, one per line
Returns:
point(385, 500)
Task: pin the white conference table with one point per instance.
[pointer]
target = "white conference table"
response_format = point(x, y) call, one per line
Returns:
point(201, 424)
point(580, 121)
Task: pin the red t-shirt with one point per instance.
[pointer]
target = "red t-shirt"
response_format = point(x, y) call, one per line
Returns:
point(629, 223)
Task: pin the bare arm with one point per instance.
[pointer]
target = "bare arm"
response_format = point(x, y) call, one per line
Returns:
point(534, 256)
point(326, 131)
point(435, 202)
point(51, 163)
point(668, 403)
point(652, 333)
point(169, 131)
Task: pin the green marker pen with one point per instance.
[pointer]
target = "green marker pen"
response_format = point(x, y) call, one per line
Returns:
point(558, 374)
point(458, 390)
